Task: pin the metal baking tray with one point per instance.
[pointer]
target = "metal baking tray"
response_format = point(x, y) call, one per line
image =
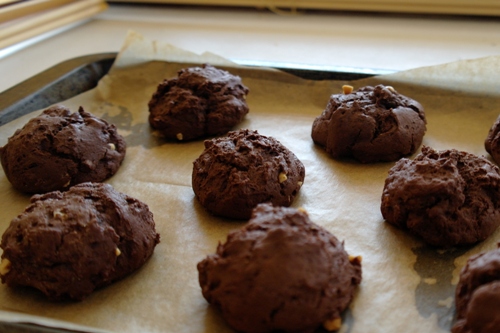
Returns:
point(77, 75)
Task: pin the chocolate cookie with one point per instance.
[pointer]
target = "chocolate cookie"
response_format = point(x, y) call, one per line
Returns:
point(477, 297)
point(280, 273)
point(371, 124)
point(59, 149)
point(66, 244)
point(236, 172)
point(446, 197)
point(200, 102)
point(492, 142)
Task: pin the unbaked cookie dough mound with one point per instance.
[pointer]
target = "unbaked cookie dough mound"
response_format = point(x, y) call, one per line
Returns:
point(477, 296)
point(67, 244)
point(59, 149)
point(238, 171)
point(447, 197)
point(371, 124)
point(199, 102)
point(280, 273)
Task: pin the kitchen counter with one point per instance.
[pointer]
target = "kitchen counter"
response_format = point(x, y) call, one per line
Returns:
point(339, 39)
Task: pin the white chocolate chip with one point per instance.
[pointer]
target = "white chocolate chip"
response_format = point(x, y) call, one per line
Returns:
point(300, 183)
point(390, 88)
point(5, 266)
point(58, 214)
point(282, 177)
point(347, 89)
point(111, 146)
point(118, 252)
point(89, 164)
point(333, 324)
point(302, 209)
point(179, 136)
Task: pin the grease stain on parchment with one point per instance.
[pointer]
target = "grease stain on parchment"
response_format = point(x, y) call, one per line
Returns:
point(435, 294)
point(135, 134)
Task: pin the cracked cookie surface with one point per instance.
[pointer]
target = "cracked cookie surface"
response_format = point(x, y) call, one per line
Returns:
point(446, 197)
point(280, 273)
point(59, 149)
point(238, 171)
point(67, 244)
point(371, 124)
point(477, 296)
point(199, 102)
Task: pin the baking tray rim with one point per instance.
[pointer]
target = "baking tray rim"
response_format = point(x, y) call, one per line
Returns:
point(58, 83)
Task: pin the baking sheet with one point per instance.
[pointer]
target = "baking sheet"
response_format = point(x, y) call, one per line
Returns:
point(58, 83)
point(407, 286)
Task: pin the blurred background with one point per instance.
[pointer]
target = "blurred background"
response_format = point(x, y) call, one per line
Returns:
point(379, 35)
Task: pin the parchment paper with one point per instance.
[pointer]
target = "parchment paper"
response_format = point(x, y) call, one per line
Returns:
point(407, 286)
